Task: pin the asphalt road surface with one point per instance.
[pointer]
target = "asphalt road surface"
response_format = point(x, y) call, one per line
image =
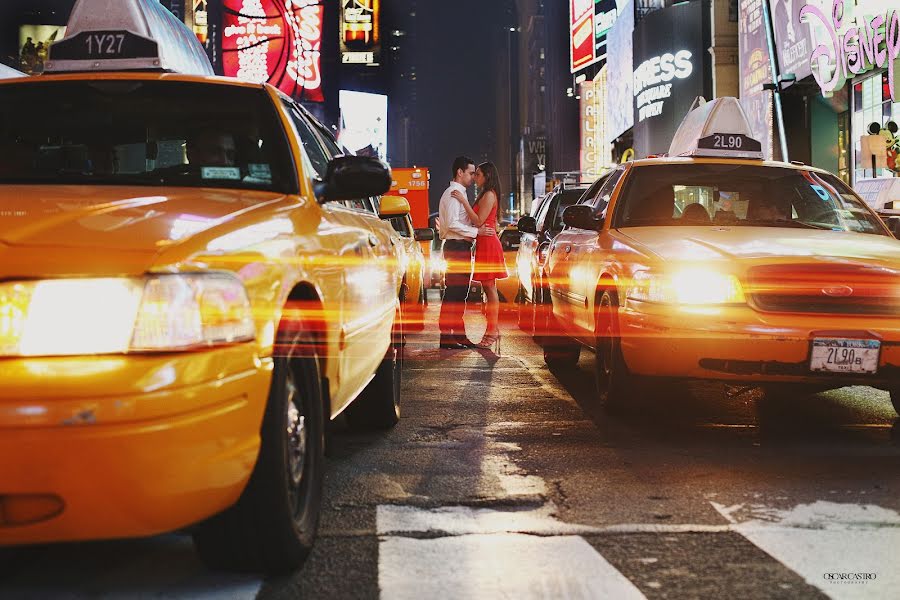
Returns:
point(503, 481)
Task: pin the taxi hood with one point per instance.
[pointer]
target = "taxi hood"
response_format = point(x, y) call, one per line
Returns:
point(747, 243)
point(80, 220)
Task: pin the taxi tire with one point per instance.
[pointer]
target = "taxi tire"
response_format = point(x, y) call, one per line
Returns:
point(613, 381)
point(272, 527)
point(895, 399)
point(378, 406)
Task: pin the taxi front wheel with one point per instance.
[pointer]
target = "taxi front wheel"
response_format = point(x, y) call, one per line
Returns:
point(272, 527)
point(895, 399)
point(614, 383)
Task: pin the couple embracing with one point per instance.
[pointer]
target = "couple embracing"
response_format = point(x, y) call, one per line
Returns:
point(463, 227)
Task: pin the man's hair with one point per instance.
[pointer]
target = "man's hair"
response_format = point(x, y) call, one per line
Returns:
point(461, 162)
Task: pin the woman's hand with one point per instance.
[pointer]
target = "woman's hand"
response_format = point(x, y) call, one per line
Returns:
point(459, 196)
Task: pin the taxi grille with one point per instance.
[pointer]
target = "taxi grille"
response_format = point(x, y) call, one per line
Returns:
point(825, 288)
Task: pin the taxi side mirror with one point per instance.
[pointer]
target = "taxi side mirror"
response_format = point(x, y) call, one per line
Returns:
point(393, 206)
point(426, 234)
point(581, 216)
point(527, 224)
point(353, 177)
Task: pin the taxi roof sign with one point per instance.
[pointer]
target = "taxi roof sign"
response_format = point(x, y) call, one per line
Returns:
point(127, 35)
point(716, 128)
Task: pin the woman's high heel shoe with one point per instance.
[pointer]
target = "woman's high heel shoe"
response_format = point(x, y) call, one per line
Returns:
point(489, 342)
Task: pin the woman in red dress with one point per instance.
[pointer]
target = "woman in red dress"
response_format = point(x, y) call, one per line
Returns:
point(489, 263)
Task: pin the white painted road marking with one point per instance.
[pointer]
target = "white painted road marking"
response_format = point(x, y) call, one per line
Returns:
point(828, 544)
point(472, 567)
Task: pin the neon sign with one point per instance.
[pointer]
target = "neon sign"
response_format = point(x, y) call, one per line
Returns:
point(854, 45)
point(277, 42)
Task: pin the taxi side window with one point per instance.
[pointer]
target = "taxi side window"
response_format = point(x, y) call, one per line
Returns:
point(548, 205)
point(310, 144)
point(401, 226)
point(591, 194)
point(602, 200)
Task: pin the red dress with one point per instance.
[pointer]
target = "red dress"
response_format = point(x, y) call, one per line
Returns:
point(489, 262)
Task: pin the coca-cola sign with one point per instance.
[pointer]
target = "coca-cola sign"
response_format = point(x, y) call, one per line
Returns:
point(277, 42)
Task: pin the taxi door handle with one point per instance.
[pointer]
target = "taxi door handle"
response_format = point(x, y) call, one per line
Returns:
point(373, 241)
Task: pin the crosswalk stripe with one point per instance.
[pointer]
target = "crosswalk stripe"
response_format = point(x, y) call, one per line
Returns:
point(482, 554)
point(487, 566)
point(846, 550)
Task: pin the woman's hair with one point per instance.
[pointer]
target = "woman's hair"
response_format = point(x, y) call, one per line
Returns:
point(491, 179)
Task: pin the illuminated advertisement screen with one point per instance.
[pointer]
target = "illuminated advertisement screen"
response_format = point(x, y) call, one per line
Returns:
point(589, 23)
point(276, 42)
point(581, 30)
point(364, 123)
point(671, 68)
point(360, 33)
point(34, 43)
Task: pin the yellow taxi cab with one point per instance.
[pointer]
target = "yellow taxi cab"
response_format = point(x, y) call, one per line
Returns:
point(192, 283)
point(395, 209)
point(713, 264)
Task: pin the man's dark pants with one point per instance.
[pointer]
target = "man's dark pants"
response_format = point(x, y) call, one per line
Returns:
point(458, 256)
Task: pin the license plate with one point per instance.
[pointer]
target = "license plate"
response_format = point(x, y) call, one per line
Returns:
point(842, 355)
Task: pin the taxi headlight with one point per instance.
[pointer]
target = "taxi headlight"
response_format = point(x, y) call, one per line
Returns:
point(694, 286)
point(66, 317)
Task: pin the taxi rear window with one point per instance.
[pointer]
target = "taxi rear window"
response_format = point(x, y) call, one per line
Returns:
point(155, 133)
point(741, 195)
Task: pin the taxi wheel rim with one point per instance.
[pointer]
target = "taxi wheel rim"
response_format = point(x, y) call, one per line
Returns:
point(296, 430)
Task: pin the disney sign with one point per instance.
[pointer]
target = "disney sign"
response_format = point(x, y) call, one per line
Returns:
point(853, 45)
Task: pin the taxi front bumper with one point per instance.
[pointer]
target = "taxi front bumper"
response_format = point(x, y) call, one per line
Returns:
point(742, 345)
point(110, 447)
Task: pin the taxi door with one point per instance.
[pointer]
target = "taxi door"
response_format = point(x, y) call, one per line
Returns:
point(353, 275)
point(585, 262)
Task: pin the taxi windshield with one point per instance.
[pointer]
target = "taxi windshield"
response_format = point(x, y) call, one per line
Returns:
point(156, 133)
point(741, 195)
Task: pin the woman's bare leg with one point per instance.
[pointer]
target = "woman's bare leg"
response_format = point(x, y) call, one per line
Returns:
point(492, 310)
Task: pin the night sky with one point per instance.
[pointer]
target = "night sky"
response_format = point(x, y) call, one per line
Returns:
point(458, 81)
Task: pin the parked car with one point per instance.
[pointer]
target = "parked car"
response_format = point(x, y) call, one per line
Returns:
point(536, 233)
point(712, 264)
point(395, 209)
point(193, 282)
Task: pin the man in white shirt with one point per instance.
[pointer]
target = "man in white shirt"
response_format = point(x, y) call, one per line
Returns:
point(458, 233)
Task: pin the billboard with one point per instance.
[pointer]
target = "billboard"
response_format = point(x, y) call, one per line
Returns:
point(34, 43)
point(360, 32)
point(619, 63)
point(672, 68)
point(364, 123)
point(589, 23)
point(277, 42)
point(755, 71)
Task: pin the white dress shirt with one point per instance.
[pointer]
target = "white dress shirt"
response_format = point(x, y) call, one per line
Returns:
point(455, 222)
